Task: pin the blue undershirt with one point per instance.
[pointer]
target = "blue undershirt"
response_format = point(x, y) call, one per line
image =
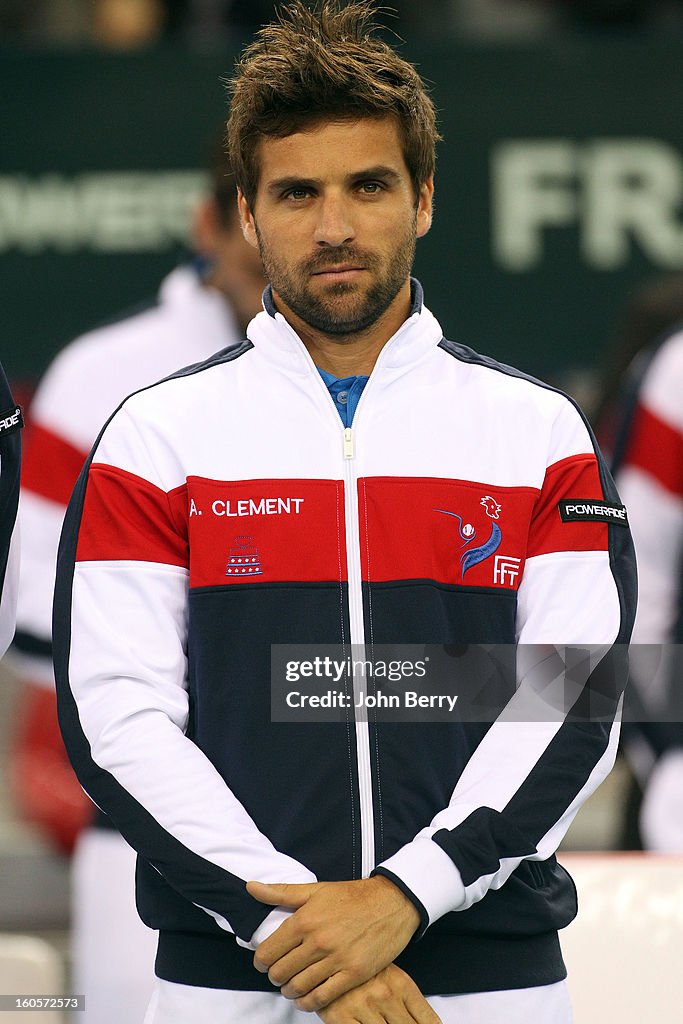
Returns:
point(345, 392)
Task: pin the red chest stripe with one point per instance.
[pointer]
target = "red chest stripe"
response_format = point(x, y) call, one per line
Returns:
point(452, 531)
point(127, 518)
point(262, 531)
point(578, 478)
point(265, 531)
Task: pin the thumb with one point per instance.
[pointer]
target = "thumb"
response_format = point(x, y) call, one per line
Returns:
point(281, 894)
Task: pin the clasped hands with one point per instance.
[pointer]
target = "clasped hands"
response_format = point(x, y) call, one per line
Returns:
point(334, 955)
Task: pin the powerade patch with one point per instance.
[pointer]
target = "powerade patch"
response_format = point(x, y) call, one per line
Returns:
point(11, 420)
point(578, 511)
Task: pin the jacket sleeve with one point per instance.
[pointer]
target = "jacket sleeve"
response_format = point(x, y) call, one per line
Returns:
point(553, 743)
point(120, 641)
point(10, 465)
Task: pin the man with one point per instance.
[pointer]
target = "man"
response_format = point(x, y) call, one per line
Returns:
point(11, 422)
point(201, 308)
point(228, 510)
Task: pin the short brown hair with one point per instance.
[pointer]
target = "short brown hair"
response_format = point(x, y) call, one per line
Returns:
point(311, 65)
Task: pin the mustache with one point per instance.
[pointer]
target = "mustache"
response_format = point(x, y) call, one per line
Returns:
point(336, 257)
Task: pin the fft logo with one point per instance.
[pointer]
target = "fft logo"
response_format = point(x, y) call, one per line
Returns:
point(506, 569)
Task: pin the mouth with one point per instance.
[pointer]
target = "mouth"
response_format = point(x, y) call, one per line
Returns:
point(342, 273)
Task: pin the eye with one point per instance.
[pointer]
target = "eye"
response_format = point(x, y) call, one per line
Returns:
point(297, 194)
point(370, 188)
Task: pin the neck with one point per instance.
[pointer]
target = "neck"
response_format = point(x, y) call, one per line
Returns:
point(350, 355)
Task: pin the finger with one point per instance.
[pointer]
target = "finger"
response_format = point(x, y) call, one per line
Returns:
point(324, 994)
point(397, 1011)
point(281, 894)
point(385, 1010)
point(301, 982)
point(398, 1015)
point(337, 1015)
point(420, 1010)
point(278, 945)
point(340, 1014)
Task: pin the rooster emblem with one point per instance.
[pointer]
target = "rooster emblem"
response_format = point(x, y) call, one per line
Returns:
point(493, 509)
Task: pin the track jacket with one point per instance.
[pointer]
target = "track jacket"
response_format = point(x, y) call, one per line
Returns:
point(163, 652)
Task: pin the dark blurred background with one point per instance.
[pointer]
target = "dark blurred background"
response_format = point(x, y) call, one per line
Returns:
point(559, 181)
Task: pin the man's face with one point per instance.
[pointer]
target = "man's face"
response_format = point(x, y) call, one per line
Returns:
point(335, 220)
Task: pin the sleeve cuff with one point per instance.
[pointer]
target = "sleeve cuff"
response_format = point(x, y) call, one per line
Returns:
point(428, 877)
point(270, 924)
point(400, 884)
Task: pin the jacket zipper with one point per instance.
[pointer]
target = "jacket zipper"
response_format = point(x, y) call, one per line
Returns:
point(353, 561)
point(357, 625)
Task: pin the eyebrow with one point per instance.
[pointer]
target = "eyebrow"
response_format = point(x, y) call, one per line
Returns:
point(280, 185)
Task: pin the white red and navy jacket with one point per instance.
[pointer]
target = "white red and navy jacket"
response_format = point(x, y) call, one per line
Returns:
point(84, 384)
point(11, 422)
point(163, 656)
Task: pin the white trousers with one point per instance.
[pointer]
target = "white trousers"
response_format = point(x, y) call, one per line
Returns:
point(112, 950)
point(185, 1004)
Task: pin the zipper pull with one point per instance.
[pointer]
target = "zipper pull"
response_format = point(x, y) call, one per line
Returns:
point(348, 443)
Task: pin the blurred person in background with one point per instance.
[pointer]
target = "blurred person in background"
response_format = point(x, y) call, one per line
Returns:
point(11, 422)
point(201, 308)
point(640, 419)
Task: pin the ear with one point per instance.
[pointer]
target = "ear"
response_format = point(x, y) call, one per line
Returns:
point(247, 220)
point(424, 207)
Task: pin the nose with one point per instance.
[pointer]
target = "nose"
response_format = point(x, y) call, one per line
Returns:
point(333, 227)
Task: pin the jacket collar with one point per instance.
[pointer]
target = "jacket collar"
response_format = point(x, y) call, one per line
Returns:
point(271, 334)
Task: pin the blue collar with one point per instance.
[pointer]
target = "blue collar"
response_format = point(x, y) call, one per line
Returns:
point(345, 393)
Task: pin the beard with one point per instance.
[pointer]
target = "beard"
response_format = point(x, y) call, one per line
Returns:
point(346, 308)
